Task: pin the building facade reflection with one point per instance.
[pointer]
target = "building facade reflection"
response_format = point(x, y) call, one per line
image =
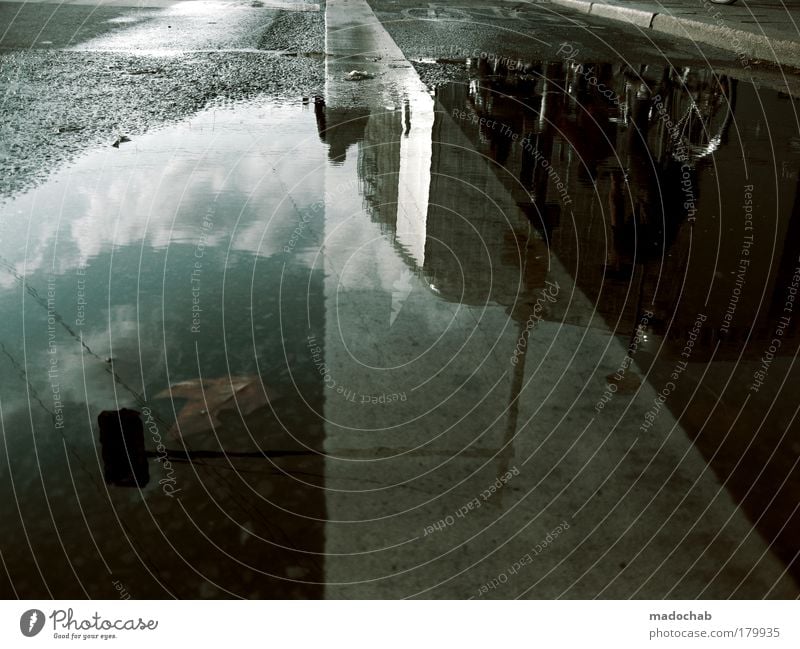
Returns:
point(676, 210)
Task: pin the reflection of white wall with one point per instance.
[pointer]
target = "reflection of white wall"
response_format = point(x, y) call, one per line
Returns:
point(358, 251)
point(416, 149)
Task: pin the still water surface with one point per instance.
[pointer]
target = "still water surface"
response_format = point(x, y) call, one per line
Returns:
point(527, 278)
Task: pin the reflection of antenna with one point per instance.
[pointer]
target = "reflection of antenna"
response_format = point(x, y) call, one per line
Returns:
point(32, 621)
point(125, 457)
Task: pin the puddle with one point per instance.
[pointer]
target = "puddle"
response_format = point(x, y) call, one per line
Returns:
point(672, 199)
point(421, 297)
point(156, 269)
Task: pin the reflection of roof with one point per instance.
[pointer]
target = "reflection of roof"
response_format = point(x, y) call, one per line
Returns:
point(339, 128)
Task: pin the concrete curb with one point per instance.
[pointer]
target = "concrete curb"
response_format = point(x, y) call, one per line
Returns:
point(578, 5)
point(637, 17)
point(747, 45)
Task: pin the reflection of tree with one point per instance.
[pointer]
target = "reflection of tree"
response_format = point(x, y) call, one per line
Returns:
point(598, 126)
point(650, 188)
point(585, 121)
point(700, 105)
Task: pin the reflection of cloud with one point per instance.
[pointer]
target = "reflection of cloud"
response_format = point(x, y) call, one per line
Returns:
point(70, 373)
point(82, 374)
point(158, 189)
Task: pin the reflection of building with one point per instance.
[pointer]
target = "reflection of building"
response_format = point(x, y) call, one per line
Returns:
point(339, 128)
point(619, 223)
point(394, 159)
point(432, 197)
point(622, 169)
point(478, 249)
point(718, 283)
point(532, 137)
point(596, 129)
point(378, 167)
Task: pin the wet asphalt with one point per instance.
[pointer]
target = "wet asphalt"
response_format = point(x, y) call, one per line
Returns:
point(83, 80)
point(74, 76)
point(77, 77)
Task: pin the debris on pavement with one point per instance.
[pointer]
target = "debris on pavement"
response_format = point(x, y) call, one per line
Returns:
point(120, 140)
point(358, 75)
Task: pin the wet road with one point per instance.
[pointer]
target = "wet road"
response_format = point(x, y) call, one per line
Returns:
point(514, 325)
